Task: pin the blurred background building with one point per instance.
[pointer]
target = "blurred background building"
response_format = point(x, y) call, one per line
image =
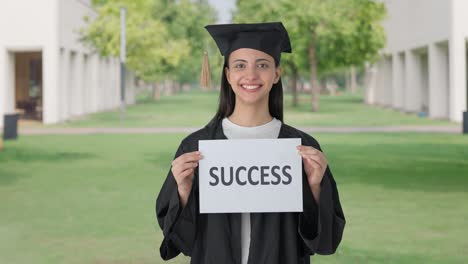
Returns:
point(46, 73)
point(423, 68)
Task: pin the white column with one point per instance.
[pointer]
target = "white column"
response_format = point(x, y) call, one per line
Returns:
point(100, 88)
point(72, 85)
point(129, 87)
point(388, 81)
point(379, 82)
point(371, 82)
point(110, 97)
point(85, 84)
point(51, 82)
point(457, 61)
point(64, 83)
point(438, 86)
point(413, 89)
point(79, 83)
point(7, 83)
point(70, 88)
point(94, 81)
point(3, 83)
point(398, 81)
point(105, 87)
point(457, 100)
point(103, 93)
point(115, 82)
point(424, 81)
point(116, 74)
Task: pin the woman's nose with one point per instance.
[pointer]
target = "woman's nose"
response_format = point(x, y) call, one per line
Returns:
point(252, 73)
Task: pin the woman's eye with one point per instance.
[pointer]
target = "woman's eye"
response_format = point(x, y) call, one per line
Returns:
point(239, 66)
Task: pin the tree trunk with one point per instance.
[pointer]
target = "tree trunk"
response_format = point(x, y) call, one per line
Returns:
point(156, 91)
point(177, 87)
point(348, 81)
point(315, 88)
point(168, 87)
point(322, 85)
point(294, 86)
point(353, 80)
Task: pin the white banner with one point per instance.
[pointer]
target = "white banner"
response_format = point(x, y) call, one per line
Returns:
point(250, 175)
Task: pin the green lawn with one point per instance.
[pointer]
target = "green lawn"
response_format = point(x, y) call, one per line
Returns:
point(195, 109)
point(90, 199)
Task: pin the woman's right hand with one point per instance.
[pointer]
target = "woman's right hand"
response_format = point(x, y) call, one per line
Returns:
point(183, 169)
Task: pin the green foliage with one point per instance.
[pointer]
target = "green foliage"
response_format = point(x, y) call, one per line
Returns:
point(344, 32)
point(165, 39)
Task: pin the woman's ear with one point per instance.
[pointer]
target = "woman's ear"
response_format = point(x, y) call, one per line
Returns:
point(277, 74)
point(226, 71)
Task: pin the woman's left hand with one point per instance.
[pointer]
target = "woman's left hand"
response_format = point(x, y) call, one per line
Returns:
point(315, 164)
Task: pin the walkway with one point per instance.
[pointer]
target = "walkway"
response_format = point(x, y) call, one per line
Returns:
point(154, 130)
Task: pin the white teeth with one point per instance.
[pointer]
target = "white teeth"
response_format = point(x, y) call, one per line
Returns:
point(250, 87)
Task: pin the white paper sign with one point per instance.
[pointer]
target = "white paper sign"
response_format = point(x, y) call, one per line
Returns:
point(250, 175)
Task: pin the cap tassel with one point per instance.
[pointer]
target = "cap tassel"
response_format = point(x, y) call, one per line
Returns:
point(205, 79)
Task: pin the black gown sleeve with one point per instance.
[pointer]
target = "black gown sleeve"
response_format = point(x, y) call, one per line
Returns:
point(321, 225)
point(178, 225)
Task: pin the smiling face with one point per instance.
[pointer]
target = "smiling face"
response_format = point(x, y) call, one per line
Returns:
point(251, 74)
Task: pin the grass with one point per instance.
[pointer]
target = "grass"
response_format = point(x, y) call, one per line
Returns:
point(90, 198)
point(195, 109)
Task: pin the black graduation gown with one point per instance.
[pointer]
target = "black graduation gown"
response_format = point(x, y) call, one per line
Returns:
point(276, 238)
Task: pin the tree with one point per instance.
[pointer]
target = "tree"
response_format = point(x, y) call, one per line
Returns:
point(150, 51)
point(165, 38)
point(185, 21)
point(293, 65)
point(329, 33)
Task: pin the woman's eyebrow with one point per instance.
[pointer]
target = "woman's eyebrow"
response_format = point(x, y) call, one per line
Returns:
point(257, 60)
point(262, 59)
point(241, 60)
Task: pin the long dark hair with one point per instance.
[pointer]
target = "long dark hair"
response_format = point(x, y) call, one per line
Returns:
point(227, 98)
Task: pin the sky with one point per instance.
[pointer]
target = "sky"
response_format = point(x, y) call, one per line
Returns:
point(224, 8)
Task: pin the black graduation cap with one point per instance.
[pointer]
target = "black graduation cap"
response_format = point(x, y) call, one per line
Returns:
point(271, 38)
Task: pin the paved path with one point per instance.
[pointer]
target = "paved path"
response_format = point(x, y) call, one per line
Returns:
point(154, 130)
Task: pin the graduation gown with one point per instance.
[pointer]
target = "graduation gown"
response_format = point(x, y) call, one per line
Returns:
point(276, 238)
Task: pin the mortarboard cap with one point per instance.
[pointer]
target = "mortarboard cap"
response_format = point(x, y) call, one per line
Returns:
point(271, 38)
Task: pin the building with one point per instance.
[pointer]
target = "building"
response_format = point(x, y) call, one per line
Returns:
point(46, 73)
point(423, 68)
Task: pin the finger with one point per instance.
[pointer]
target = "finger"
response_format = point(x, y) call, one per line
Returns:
point(187, 157)
point(319, 159)
point(187, 173)
point(316, 153)
point(188, 165)
point(315, 164)
point(179, 168)
point(181, 176)
point(310, 150)
point(302, 147)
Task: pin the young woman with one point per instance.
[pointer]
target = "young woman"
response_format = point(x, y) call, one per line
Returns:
point(250, 106)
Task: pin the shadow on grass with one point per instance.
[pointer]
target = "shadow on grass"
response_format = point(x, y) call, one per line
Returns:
point(407, 167)
point(33, 155)
point(8, 176)
point(162, 159)
point(328, 105)
point(346, 254)
point(16, 157)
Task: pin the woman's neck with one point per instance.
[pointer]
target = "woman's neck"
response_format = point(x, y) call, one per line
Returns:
point(250, 116)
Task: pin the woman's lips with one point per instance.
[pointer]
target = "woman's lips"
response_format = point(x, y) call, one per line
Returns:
point(250, 87)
